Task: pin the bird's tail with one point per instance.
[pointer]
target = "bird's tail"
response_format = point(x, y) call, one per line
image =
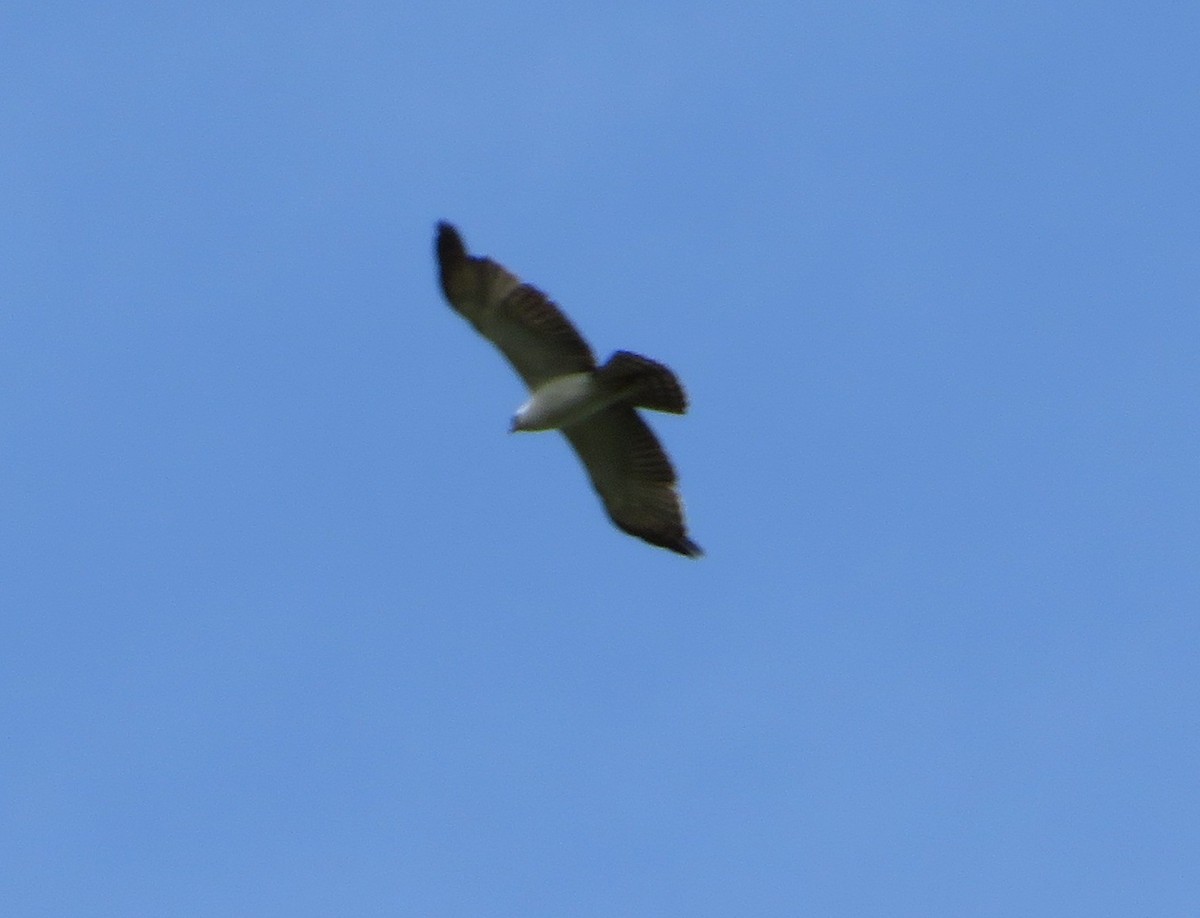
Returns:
point(643, 382)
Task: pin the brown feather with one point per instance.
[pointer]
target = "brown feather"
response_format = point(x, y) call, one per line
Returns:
point(626, 464)
point(645, 383)
point(633, 476)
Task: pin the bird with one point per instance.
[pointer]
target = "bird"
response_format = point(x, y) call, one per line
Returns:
point(594, 406)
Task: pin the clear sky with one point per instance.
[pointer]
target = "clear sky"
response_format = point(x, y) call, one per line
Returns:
point(290, 625)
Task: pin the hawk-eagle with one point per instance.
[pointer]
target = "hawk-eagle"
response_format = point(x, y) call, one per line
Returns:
point(594, 406)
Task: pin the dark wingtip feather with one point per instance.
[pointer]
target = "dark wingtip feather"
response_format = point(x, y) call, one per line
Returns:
point(680, 544)
point(450, 246)
point(451, 256)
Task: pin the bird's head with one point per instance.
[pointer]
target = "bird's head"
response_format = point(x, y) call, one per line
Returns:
point(523, 419)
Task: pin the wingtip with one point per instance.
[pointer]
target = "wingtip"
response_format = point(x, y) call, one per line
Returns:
point(450, 245)
point(680, 544)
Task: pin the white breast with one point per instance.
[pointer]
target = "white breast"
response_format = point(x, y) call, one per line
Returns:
point(559, 402)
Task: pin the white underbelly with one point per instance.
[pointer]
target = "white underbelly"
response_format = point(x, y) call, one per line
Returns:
point(560, 402)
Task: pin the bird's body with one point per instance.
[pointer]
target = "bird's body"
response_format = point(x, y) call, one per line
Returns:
point(561, 402)
point(594, 406)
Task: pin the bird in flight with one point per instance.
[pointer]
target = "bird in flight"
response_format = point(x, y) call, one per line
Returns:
point(594, 406)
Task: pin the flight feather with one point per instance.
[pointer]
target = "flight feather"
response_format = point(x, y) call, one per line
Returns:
point(627, 465)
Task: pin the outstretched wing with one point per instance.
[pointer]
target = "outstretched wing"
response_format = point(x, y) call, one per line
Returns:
point(633, 476)
point(538, 340)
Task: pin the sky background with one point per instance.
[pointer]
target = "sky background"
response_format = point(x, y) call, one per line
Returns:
point(290, 625)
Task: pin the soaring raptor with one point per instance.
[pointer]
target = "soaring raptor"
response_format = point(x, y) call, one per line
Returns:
point(594, 406)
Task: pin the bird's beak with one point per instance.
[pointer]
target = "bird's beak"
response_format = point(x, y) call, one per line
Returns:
point(512, 425)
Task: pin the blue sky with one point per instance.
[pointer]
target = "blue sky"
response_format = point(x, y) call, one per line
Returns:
point(292, 626)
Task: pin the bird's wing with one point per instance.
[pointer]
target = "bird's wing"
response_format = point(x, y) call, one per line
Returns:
point(530, 330)
point(633, 476)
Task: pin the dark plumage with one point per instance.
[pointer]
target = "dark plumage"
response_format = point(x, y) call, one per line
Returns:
point(599, 416)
